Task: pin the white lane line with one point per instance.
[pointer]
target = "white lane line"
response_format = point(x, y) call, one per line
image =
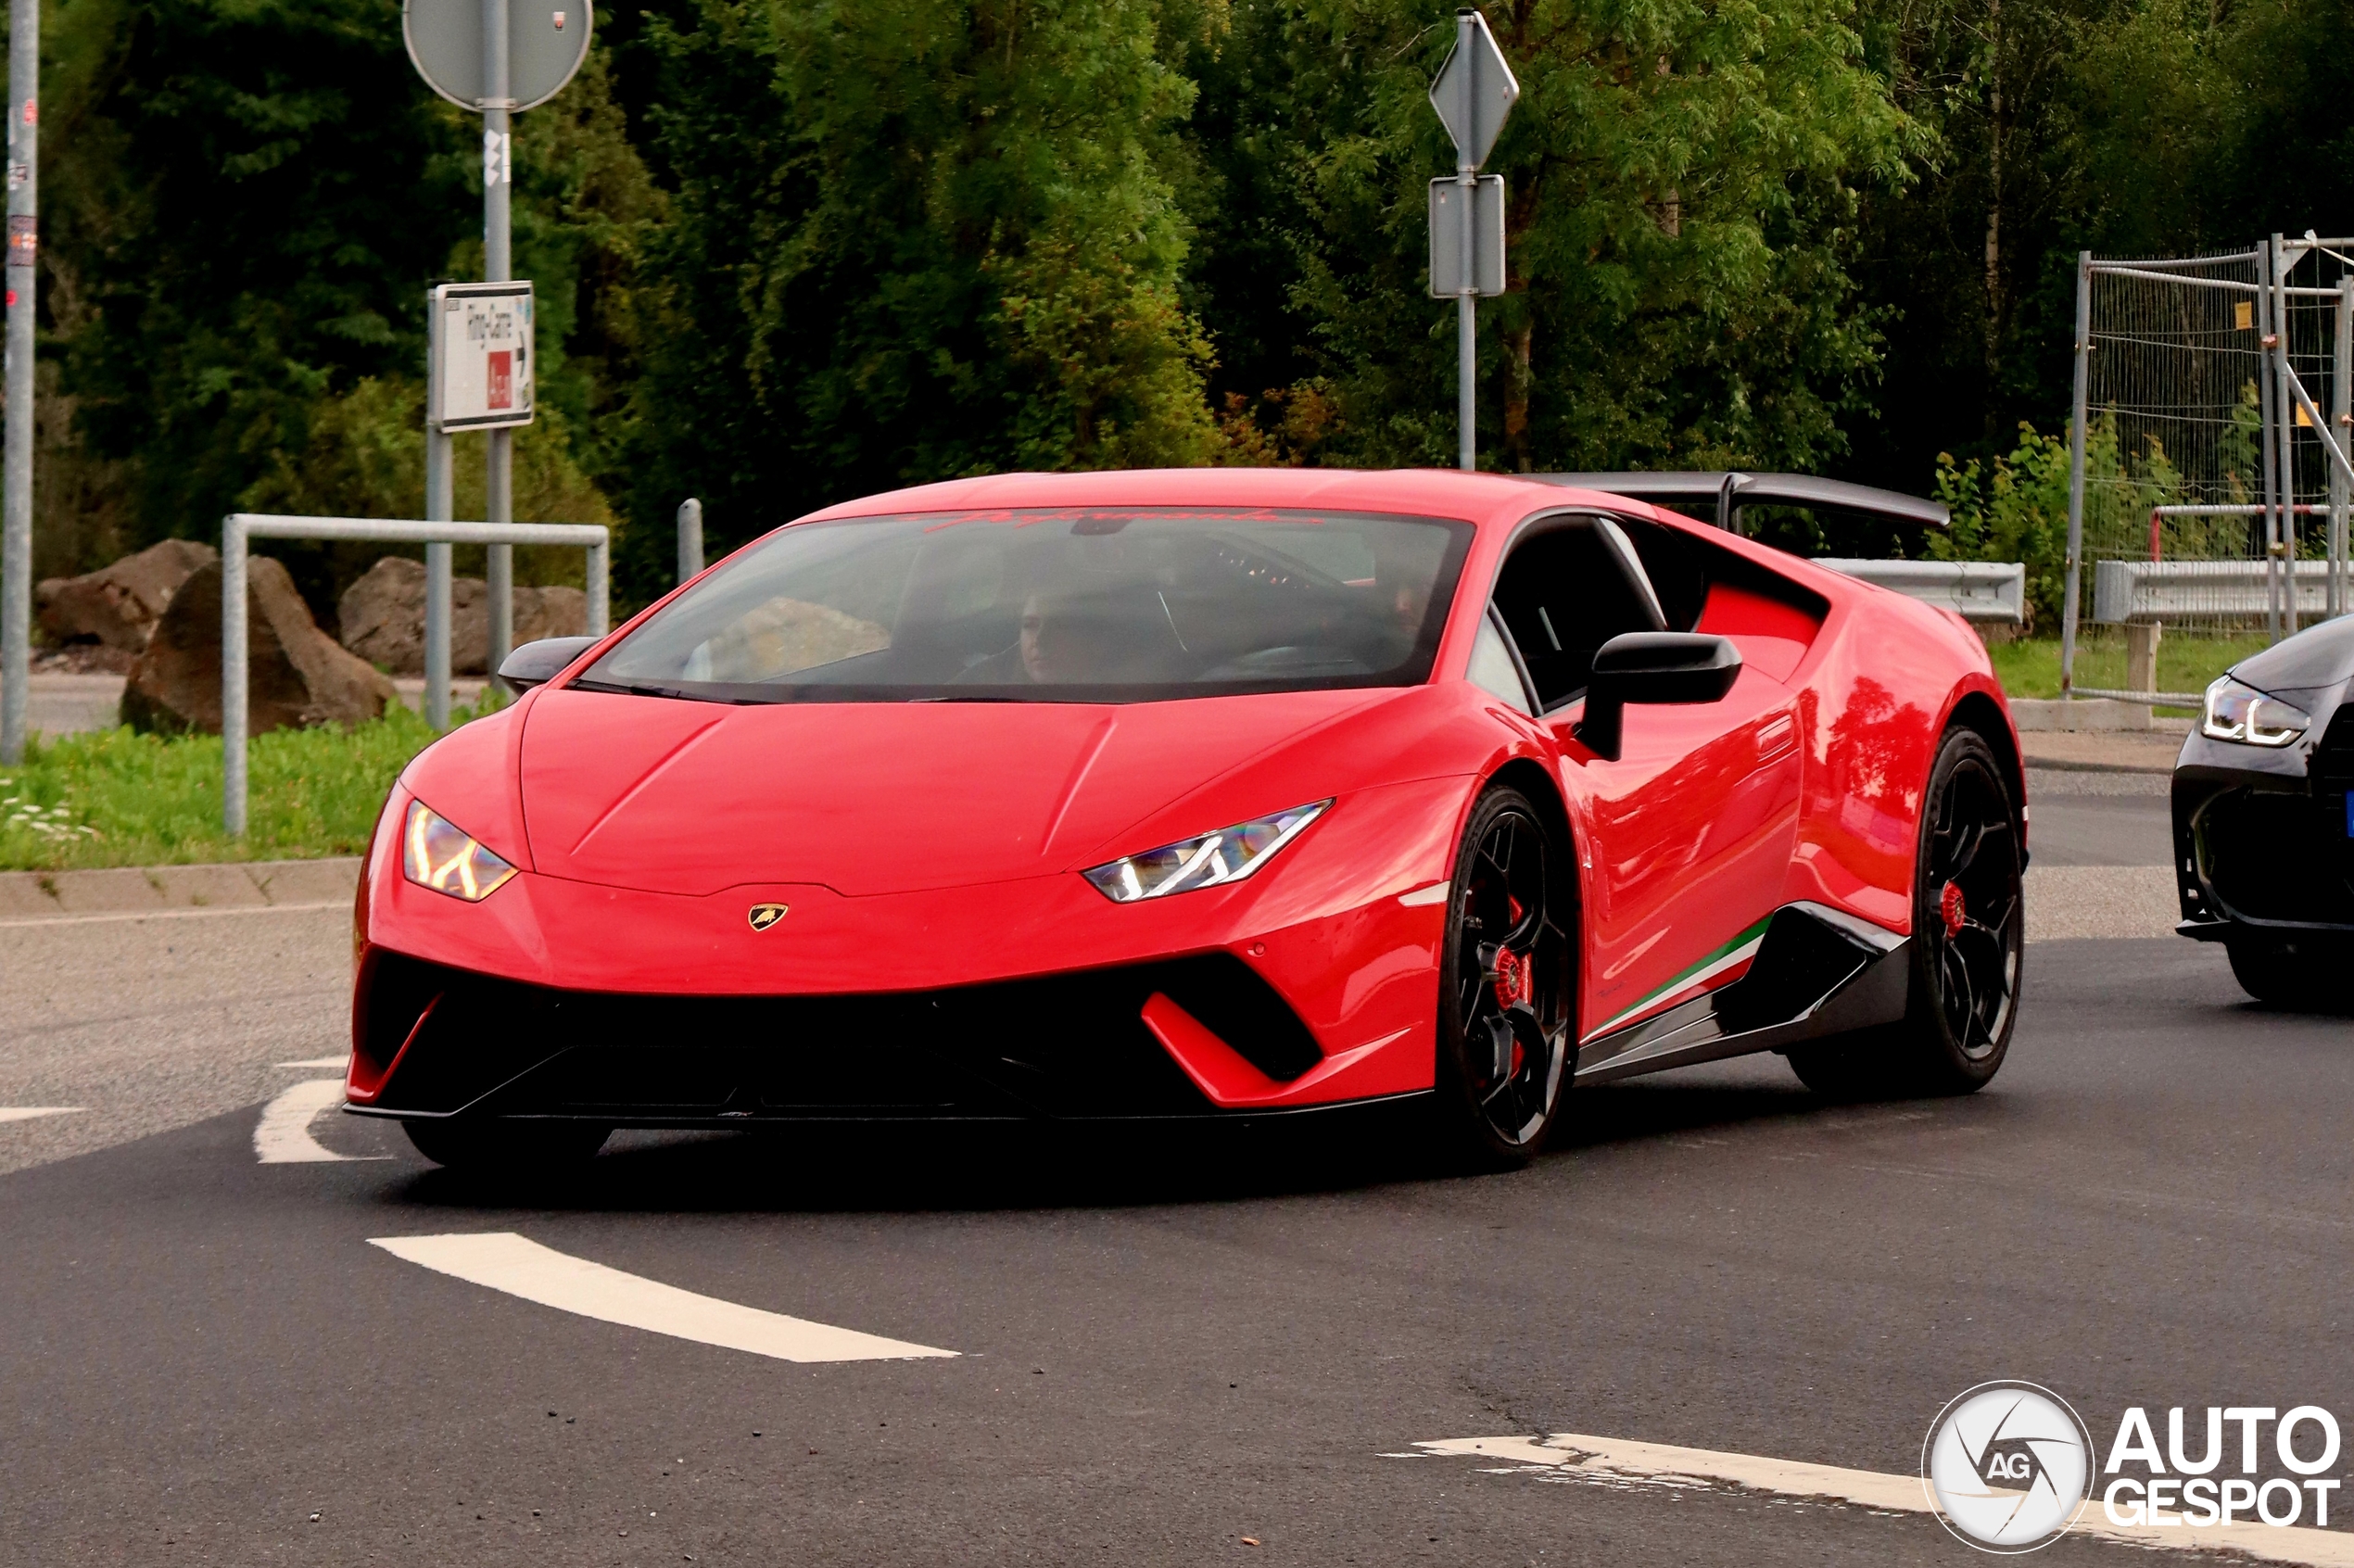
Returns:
point(178, 914)
point(503, 1261)
point(283, 1135)
point(26, 1113)
point(1617, 1459)
point(317, 1062)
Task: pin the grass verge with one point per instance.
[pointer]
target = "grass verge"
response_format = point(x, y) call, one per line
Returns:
point(2030, 667)
point(118, 798)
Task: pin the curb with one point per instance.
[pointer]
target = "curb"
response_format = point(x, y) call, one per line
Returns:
point(164, 890)
point(2034, 764)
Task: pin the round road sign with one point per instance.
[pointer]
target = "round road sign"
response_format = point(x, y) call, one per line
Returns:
point(545, 42)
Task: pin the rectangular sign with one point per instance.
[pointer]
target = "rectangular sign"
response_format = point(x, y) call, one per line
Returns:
point(482, 349)
point(1447, 237)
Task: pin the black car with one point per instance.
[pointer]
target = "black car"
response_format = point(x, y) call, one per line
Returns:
point(2263, 830)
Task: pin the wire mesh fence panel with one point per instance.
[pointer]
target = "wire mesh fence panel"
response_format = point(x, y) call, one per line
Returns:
point(2175, 420)
point(2207, 495)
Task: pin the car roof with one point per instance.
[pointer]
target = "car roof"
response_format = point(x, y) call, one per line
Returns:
point(1484, 499)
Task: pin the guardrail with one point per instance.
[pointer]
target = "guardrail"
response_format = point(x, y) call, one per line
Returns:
point(2137, 592)
point(1978, 590)
point(240, 527)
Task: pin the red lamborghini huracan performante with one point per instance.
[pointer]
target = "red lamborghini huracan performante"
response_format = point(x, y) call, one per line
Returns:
point(1202, 793)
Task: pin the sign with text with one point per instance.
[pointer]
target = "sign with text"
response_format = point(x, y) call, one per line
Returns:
point(482, 356)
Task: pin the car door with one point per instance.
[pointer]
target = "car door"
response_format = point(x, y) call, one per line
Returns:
point(1690, 830)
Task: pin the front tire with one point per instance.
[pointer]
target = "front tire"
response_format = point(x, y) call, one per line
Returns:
point(1967, 949)
point(1506, 985)
point(518, 1147)
point(2282, 972)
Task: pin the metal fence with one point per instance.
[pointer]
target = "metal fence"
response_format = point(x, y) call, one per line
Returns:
point(2211, 393)
point(241, 527)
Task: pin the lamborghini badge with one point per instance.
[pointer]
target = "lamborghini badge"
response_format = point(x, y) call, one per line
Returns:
point(764, 916)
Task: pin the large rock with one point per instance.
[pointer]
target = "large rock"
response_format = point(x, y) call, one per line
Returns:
point(383, 617)
point(118, 605)
point(296, 673)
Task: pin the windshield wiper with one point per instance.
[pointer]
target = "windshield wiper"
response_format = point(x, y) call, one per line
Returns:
point(631, 688)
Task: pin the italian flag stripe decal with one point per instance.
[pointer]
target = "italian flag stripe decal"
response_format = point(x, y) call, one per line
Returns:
point(1733, 955)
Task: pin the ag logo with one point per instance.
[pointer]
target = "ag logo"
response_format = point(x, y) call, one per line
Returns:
point(2007, 1466)
point(764, 916)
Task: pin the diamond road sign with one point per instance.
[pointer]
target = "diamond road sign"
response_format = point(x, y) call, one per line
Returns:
point(1475, 91)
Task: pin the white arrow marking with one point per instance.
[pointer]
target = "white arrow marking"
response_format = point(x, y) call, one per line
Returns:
point(503, 1261)
point(1617, 1460)
point(26, 1113)
point(283, 1135)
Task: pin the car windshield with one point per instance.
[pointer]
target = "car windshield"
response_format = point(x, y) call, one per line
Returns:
point(1067, 604)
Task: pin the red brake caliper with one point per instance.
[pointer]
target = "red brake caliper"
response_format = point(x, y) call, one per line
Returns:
point(1949, 905)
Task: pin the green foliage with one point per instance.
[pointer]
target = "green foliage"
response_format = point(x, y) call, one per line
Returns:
point(249, 199)
point(116, 798)
point(909, 241)
point(2012, 508)
point(2029, 666)
point(1681, 179)
point(244, 203)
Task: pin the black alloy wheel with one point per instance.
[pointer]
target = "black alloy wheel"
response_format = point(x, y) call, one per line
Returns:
point(1505, 985)
point(1969, 945)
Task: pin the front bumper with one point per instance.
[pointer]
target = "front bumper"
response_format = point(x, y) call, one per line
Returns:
point(436, 1042)
point(1030, 998)
point(2262, 838)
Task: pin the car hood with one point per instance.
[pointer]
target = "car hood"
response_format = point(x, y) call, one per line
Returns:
point(870, 798)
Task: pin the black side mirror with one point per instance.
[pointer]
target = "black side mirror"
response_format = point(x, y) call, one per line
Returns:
point(1651, 668)
point(537, 664)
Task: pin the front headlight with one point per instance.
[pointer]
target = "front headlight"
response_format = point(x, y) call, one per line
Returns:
point(1211, 860)
point(2238, 711)
point(436, 855)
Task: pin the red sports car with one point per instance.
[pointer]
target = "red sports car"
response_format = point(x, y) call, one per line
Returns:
point(1200, 793)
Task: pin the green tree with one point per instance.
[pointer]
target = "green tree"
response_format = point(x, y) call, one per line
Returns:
point(908, 242)
point(1681, 181)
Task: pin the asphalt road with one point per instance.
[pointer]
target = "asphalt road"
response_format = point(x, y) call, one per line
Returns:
point(1165, 1344)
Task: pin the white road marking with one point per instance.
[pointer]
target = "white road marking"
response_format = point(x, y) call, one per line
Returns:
point(503, 1261)
point(317, 1062)
point(178, 914)
point(283, 1135)
point(1617, 1459)
point(26, 1113)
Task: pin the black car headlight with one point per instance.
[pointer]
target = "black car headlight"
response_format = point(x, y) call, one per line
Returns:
point(2238, 712)
point(436, 854)
point(1207, 860)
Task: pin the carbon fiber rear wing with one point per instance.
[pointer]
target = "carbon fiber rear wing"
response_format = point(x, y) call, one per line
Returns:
point(1728, 492)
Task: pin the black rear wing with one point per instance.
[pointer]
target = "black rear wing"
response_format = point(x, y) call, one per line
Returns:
point(1727, 493)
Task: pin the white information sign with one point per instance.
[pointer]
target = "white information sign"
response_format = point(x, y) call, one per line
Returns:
point(482, 355)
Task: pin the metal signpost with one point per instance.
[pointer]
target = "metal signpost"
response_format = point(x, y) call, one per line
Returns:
point(15, 510)
point(498, 57)
point(1473, 92)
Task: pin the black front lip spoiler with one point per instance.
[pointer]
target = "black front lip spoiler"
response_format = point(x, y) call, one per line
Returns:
point(890, 1118)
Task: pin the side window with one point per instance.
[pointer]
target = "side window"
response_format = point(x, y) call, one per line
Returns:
point(1677, 566)
point(1492, 666)
point(1563, 594)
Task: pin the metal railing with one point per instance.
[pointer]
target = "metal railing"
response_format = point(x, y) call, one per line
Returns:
point(1978, 590)
point(239, 526)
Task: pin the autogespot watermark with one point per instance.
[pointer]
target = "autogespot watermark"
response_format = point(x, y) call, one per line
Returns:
point(2009, 1467)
